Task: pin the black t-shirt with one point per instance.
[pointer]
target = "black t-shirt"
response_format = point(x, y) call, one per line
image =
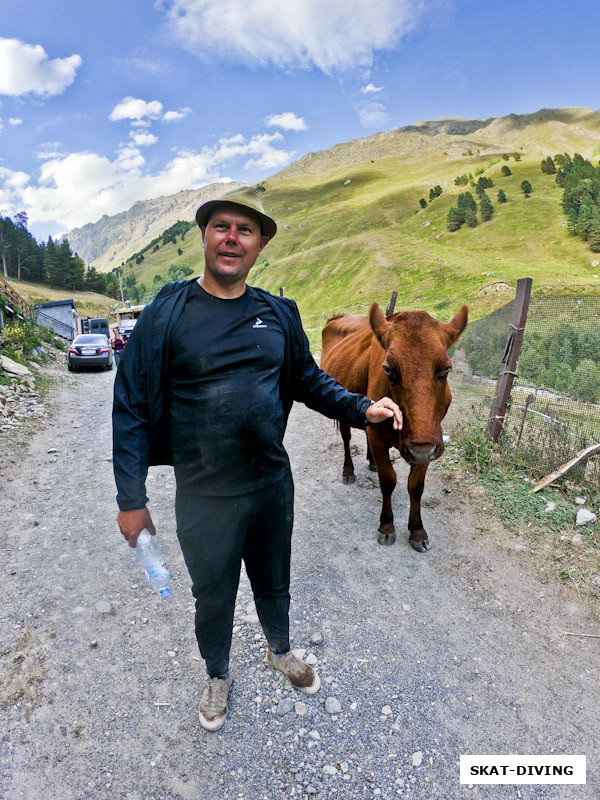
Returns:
point(227, 421)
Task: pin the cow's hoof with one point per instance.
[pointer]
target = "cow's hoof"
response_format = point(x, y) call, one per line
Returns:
point(386, 538)
point(420, 546)
point(348, 479)
point(372, 468)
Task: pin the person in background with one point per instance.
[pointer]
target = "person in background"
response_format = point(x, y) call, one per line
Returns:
point(118, 345)
point(206, 383)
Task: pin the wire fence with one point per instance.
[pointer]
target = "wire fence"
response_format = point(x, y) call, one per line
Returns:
point(554, 410)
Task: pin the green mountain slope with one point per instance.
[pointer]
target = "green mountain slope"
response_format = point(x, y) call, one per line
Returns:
point(351, 230)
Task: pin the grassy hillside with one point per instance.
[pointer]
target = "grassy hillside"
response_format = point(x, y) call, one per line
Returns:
point(351, 230)
point(88, 304)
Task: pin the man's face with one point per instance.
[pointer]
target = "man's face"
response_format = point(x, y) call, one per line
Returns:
point(232, 241)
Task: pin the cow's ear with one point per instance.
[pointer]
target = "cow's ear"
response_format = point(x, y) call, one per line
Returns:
point(456, 326)
point(379, 323)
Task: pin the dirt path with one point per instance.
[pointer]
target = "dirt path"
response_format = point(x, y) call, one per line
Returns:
point(430, 656)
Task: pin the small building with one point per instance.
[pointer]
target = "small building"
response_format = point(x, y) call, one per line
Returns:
point(59, 315)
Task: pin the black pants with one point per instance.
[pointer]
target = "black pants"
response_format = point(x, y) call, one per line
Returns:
point(215, 534)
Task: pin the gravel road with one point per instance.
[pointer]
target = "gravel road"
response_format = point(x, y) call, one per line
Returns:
point(429, 656)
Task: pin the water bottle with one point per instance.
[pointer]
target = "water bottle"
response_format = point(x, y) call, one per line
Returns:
point(153, 562)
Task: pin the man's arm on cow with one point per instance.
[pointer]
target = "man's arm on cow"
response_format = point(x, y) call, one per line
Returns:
point(131, 431)
point(322, 393)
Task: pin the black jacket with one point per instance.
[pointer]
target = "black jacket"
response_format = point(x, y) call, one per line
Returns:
point(140, 409)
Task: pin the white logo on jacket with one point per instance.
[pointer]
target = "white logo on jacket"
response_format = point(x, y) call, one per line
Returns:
point(259, 323)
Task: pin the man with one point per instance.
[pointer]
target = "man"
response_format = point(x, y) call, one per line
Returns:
point(206, 383)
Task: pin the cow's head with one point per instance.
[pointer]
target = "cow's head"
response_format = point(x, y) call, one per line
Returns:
point(415, 365)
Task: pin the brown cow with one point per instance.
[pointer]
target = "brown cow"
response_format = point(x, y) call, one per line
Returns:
point(404, 357)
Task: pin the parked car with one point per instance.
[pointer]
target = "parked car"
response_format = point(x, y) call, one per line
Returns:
point(126, 327)
point(95, 325)
point(89, 350)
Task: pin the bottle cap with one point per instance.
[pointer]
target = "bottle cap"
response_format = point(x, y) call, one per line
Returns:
point(166, 592)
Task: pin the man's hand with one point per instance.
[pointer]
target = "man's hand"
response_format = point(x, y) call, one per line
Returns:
point(384, 409)
point(132, 523)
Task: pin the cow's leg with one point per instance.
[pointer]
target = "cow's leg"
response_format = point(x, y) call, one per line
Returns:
point(387, 483)
point(418, 535)
point(370, 459)
point(348, 470)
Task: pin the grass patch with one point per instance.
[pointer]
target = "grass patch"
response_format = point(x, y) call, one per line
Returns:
point(562, 551)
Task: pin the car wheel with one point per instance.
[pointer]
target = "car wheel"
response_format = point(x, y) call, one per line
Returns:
point(70, 368)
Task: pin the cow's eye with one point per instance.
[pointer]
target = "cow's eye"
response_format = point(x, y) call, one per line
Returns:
point(392, 377)
point(444, 373)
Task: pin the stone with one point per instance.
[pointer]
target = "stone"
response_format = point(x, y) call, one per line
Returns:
point(311, 659)
point(347, 181)
point(580, 501)
point(577, 538)
point(332, 705)
point(417, 758)
point(250, 619)
point(316, 637)
point(103, 607)
point(300, 708)
point(584, 517)
point(328, 769)
point(10, 366)
point(550, 506)
point(386, 711)
point(285, 706)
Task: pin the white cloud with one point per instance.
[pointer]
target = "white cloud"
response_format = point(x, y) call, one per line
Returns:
point(133, 108)
point(75, 188)
point(372, 115)
point(143, 139)
point(14, 121)
point(140, 123)
point(370, 89)
point(336, 35)
point(26, 68)
point(288, 121)
point(175, 116)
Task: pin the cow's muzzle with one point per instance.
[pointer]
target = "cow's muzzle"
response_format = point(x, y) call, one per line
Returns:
point(422, 452)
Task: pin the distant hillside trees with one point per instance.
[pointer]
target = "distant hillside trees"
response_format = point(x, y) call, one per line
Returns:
point(526, 188)
point(434, 192)
point(506, 171)
point(548, 166)
point(52, 263)
point(423, 202)
point(580, 181)
point(465, 211)
point(564, 359)
point(461, 180)
point(502, 198)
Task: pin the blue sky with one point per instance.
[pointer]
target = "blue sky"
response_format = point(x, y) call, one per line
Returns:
point(104, 104)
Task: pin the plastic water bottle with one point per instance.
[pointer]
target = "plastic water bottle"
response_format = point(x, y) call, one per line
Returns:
point(153, 562)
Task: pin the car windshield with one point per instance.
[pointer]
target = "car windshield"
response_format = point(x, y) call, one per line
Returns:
point(90, 338)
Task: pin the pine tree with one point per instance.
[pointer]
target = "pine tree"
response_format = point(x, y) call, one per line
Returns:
point(455, 218)
point(548, 166)
point(423, 202)
point(594, 236)
point(466, 201)
point(486, 208)
point(431, 195)
point(471, 218)
point(526, 188)
point(502, 198)
point(505, 170)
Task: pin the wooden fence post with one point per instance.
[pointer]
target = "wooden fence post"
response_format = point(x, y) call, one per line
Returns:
point(509, 360)
point(391, 305)
point(281, 291)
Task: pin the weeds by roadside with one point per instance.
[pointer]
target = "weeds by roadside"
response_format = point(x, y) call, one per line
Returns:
point(546, 519)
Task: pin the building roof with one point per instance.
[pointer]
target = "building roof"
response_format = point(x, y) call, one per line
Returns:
point(55, 303)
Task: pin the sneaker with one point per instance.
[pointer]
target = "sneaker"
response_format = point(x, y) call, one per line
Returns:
point(213, 706)
point(300, 675)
